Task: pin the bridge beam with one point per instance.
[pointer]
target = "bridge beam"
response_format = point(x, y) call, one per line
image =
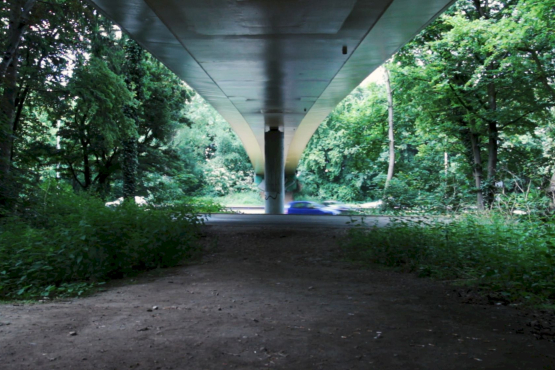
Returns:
point(274, 175)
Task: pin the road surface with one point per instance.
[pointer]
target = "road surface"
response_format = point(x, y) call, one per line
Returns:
point(318, 221)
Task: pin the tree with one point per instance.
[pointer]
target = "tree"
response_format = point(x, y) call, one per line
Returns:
point(134, 73)
point(216, 149)
point(479, 95)
point(348, 154)
point(18, 14)
point(391, 167)
point(91, 122)
point(18, 21)
point(38, 38)
point(162, 115)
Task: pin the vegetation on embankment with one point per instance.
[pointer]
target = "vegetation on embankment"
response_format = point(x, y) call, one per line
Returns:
point(471, 107)
point(67, 243)
point(250, 198)
point(511, 259)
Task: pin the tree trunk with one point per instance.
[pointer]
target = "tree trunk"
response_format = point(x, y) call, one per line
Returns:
point(86, 166)
point(493, 137)
point(19, 104)
point(477, 168)
point(104, 185)
point(550, 190)
point(18, 23)
point(130, 166)
point(105, 171)
point(7, 114)
point(135, 73)
point(391, 167)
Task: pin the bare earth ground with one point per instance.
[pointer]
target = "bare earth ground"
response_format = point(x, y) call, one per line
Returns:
point(264, 297)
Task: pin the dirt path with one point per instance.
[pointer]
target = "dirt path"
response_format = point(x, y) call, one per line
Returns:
point(271, 298)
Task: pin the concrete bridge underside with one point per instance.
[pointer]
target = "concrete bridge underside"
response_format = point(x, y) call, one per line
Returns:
point(274, 69)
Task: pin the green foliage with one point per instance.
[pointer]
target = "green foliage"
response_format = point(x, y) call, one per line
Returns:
point(530, 203)
point(478, 77)
point(473, 105)
point(515, 258)
point(345, 155)
point(71, 239)
point(240, 198)
point(81, 94)
point(204, 205)
point(216, 150)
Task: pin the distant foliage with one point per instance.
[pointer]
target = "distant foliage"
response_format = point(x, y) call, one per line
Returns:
point(344, 157)
point(216, 150)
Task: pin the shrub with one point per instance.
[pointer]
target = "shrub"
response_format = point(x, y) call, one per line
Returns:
point(515, 258)
point(75, 239)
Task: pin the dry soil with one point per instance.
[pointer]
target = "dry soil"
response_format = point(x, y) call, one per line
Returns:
point(274, 298)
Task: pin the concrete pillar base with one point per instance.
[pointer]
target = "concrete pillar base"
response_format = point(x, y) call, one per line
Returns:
point(274, 177)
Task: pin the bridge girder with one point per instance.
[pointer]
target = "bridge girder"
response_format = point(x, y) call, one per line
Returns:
point(272, 63)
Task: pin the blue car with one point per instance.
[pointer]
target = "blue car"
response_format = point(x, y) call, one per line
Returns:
point(304, 207)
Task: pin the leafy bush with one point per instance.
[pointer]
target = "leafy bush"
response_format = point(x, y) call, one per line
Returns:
point(74, 239)
point(404, 196)
point(515, 258)
point(532, 202)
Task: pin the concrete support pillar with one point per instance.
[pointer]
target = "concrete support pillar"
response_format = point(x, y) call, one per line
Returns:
point(274, 176)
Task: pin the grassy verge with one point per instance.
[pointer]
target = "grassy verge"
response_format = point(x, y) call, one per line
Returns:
point(515, 259)
point(238, 199)
point(71, 243)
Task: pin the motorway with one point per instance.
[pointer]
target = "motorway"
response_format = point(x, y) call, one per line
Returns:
point(281, 221)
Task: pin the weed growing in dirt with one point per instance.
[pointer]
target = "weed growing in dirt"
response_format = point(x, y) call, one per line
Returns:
point(513, 258)
point(66, 244)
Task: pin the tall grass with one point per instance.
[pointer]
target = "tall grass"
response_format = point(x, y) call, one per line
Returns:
point(514, 258)
point(67, 243)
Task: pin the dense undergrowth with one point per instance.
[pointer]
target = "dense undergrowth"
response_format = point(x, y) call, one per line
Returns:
point(66, 243)
point(513, 259)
